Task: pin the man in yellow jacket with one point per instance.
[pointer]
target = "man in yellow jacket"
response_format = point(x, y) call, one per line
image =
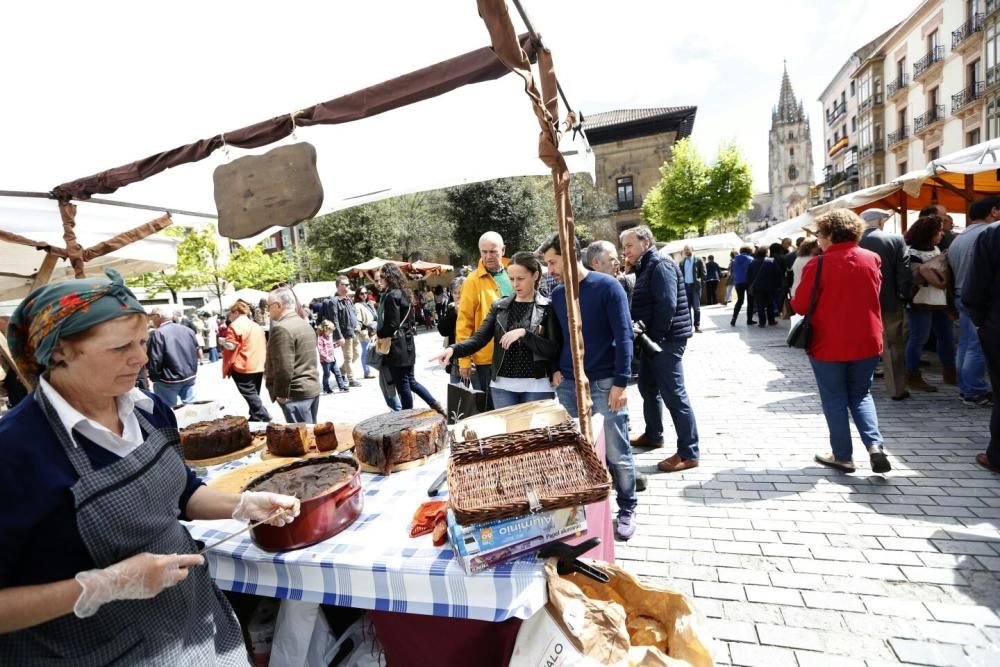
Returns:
point(485, 285)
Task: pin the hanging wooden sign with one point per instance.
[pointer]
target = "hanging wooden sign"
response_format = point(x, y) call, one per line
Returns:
point(279, 188)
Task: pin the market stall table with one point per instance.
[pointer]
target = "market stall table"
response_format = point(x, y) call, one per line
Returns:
point(375, 565)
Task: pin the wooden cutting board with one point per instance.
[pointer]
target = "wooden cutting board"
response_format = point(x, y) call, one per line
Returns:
point(345, 441)
point(235, 480)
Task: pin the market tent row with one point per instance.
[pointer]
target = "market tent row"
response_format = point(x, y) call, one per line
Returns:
point(954, 181)
point(800, 225)
point(716, 244)
point(35, 219)
point(369, 268)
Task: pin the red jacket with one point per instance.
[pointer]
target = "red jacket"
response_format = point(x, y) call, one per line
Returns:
point(847, 323)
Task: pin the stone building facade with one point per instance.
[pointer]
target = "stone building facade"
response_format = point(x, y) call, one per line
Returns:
point(790, 164)
point(630, 146)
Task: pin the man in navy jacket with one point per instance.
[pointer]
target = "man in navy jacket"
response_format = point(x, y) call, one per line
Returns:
point(607, 363)
point(173, 358)
point(659, 302)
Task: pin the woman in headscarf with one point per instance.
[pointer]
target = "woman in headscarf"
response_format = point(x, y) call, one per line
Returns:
point(95, 567)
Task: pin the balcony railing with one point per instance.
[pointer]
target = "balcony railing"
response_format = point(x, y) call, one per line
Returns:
point(835, 178)
point(991, 7)
point(839, 109)
point(966, 97)
point(851, 173)
point(993, 75)
point(902, 83)
point(872, 148)
point(928, 118)
point(898, 137)
point(870, 102)
point(935, 55)
point(966, 30)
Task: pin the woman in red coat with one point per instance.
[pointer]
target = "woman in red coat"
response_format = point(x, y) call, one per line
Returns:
point(846, 336)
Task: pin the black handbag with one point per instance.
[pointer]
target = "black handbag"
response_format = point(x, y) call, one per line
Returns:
point(801, 332)
point(464, 402)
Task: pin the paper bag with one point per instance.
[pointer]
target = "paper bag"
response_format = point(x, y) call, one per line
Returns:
point(623, 622)
point(464, 402)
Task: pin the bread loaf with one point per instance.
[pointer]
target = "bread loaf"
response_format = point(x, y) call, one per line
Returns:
point(398, 437)
point(326, 437)
point(287, 439)
point(209, 439)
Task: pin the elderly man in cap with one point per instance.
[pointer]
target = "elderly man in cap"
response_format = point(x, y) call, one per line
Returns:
point(896, 291)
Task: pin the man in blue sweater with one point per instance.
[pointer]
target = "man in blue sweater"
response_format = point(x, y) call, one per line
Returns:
point(607, 362)
point(659, 302)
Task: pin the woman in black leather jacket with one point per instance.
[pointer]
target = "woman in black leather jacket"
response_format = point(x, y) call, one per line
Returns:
point(526, 336)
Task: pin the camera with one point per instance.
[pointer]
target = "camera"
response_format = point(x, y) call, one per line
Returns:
point(649, 346)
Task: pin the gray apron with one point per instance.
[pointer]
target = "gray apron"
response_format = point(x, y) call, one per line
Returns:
point(123, 509)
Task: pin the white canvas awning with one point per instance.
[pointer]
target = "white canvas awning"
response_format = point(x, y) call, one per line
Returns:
point(39, 220)
point(791, 228)
point(151, 99)
point(703, 245)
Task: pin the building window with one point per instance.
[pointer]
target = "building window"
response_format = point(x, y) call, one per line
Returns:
point(626, 198)
point(791, 152)
point(854, 123)
point(972, 138)
point(271, 242)
point(791, 136)
point(933, 41)
point(902, 168)
point(793, 173)
point(934, 153)
point(852, 87)
point(828, 144)
point(843, 130)
point(866, 85)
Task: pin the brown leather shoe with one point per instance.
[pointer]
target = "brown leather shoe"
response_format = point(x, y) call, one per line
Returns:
point(644, 441)
point(984, 461)
point(914, 380)
point(676, 464)
point(949, 375)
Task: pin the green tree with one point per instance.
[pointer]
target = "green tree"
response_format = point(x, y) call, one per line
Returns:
point(197, 254)
point(253, 268)
point(349, 237)
point(592, 209)
point(423, 228)
point(690, 193)
point(519, 209)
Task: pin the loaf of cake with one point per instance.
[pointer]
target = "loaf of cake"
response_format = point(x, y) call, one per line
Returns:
point(326, 437)
point(210, 439)
point(398, 437)
point(287, 439)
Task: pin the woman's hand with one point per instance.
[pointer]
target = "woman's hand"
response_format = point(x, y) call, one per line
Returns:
point(140, 577)
point(259, 505)
point(512, 337)
point(444, 357)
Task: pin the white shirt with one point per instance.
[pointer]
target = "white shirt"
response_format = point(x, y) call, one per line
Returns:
point(74, 420)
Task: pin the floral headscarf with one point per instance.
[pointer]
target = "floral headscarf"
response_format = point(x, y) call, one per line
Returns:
point(62, 309)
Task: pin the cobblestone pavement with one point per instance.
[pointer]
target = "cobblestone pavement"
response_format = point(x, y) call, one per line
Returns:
point(792, 563)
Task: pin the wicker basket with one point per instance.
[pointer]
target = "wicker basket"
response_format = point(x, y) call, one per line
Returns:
point(491, 478)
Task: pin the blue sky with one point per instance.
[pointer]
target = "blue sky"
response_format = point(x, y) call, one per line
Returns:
point(725, 57)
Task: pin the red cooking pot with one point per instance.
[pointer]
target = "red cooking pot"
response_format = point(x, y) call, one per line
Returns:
point(321, 517)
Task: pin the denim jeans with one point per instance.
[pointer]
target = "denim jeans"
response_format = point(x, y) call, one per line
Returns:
point(922, 322)
point(364, 356)
point(662, 377)
point(301, 412)
point(171, 391)
point(618, 452)
point(970, 363)
point(331, 367)
point(504, 399)
point(694, 301)
point(213, 354)
point(407, 385)
point(844, 389)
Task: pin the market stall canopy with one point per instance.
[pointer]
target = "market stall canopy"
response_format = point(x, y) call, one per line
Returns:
point(172, 97)
point(430, 268)
point(38, 220)
point(373, 265)
point(320, 289)
point(791, 228)
point(704, 245)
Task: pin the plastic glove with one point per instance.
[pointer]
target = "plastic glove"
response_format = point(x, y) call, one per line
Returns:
point(258, 505)
point(137, 578)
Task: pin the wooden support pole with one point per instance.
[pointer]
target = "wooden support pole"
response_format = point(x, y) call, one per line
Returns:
point(125, 238)
point(902, 211)
point(11, 237)
point(73, 248)
point(44, 274)
point(967, 196)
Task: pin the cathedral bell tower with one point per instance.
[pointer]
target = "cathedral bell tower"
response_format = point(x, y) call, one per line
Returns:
point(790, 171)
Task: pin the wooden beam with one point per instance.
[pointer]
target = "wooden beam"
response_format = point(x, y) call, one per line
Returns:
point(123, 239)
point(11, 237)
point(45, 271)
point(951, 188)
point(73, 248)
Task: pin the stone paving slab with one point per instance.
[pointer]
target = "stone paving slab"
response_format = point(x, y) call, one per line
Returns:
point(792, 563)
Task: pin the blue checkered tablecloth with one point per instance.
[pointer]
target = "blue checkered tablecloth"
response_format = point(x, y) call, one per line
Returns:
point(374, 563)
